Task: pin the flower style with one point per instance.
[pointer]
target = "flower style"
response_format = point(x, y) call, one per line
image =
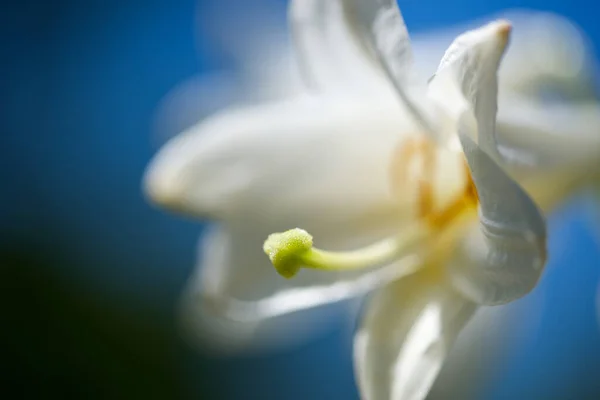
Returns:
point(354, 166)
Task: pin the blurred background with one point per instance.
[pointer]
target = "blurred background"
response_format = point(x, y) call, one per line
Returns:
point(90, 273)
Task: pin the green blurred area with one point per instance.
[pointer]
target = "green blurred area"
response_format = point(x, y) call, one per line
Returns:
point(60, 340)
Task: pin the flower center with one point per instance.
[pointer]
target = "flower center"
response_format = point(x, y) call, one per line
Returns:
point(437, 181)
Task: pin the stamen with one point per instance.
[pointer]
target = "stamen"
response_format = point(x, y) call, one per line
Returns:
point(468, 200)
point(292, 250)
point(415, 149)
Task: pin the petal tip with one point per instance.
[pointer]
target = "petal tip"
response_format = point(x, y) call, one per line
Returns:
point(161, 189)
point(503, 29)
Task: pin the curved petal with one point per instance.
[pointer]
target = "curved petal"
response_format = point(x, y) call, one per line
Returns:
point(547, 51)
point(512, 235)
point(308, 27)
point(512, 228)
point(382, 27)
point(328, 51)
point(289, 300)
point(532, 142)
point(471, 63)
point(405, 335)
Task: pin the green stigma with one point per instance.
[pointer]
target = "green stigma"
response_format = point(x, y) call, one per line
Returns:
point(285, 250)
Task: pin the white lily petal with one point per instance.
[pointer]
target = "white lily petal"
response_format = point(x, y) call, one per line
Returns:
point(511, 253)
point(512, 228)
point(307, 159)
point(471, 62)
point(201, 325)
point(291, 300)
point(383, 29)
point(330, 55)
point(546, 50)
point(308, 27)
point(405, 335)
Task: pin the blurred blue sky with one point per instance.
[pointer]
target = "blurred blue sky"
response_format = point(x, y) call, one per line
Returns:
point(81, 82)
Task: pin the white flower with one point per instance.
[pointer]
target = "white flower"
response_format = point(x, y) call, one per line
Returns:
point(324, 162)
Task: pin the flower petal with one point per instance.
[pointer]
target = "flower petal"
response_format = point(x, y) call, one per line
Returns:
point(405, 335)
point(382, 27)
point(547, 51)
point(290, 300)
point(329, 53)
point(536, 135)
point(553, 150)
point(306, 159)
point(512, 235)
point(512, 228)
point(471, 64)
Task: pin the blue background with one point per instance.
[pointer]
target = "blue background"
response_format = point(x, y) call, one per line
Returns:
point(91, 273)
